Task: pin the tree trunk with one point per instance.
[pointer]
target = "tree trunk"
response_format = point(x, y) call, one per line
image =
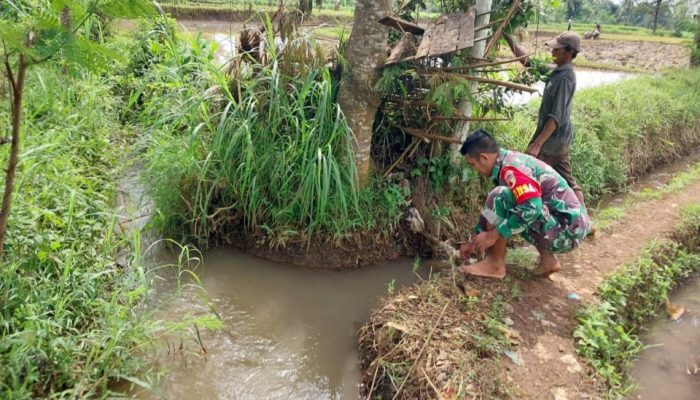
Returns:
point(656, 15)
point(477, 51)
point(306, 6)
point(365, 53)
point(695, 53)
point(17, 92)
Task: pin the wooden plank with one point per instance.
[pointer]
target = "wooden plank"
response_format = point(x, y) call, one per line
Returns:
point(402, 25)
point(439, 43)
point(404, 48)
point(447, 34)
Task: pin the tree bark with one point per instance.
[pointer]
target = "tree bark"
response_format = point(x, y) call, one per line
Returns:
point(306, 6)
point(17, 93)
point(695, 54)
point(477, 51)
point(365, 53)
point(656, 15)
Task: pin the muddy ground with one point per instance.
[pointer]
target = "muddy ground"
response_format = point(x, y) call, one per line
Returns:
point(622, 54)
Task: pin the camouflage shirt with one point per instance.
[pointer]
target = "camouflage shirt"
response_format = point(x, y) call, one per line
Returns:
point(544, 202)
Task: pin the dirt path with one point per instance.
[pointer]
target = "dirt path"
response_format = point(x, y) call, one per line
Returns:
point(545, 317)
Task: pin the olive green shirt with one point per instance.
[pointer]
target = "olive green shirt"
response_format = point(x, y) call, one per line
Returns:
point(557, 102)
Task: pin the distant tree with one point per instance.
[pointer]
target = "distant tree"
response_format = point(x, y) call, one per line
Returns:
point(35, 32)
point(695, 54)
point(306, 6)
point(656, 15)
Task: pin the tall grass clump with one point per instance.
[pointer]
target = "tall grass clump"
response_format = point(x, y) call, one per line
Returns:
point(622, 130)
point(264, 149)
point(69, 321)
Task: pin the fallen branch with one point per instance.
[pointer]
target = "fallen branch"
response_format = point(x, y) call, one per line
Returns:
point(429, 136)
point(401, 157)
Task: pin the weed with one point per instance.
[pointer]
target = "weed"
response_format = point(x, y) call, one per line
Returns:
point(391, 286)
point(608, 332)
point(70, 319)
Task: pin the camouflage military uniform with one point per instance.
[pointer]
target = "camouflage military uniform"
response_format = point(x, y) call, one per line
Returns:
point(532, 200)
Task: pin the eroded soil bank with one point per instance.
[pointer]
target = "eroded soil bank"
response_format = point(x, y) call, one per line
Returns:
point(454, 338)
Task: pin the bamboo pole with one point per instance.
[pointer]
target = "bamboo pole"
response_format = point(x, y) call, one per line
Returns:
point(490, 24)
point(510, 85)
point(499, 32)
point(470, 119)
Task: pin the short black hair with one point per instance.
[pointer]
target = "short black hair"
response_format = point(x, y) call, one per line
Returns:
point(574, 53)
point(479, 142)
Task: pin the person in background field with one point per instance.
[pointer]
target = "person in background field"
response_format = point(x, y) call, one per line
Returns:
point(552, 139)
point(530, 199)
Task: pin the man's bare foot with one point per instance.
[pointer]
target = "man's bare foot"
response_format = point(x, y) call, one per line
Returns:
point(592, 232)
point(487, 268)
point(549, 264)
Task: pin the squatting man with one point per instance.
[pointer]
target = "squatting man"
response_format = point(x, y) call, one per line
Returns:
point(530, 199)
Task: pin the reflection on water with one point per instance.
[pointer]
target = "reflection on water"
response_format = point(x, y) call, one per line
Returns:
point(671, 368)
point(585, 78)
point(289, 332)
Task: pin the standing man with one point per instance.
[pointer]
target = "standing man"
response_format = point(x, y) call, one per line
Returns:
point(530, 199)
point(554, 133)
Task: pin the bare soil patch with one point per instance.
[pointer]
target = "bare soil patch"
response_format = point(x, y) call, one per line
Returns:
point(623, 54)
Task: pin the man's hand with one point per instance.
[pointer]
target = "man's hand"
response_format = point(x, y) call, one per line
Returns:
point(484, 240)
point(534, 149)
point(466, 250)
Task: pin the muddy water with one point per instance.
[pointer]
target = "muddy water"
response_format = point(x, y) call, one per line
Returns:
point(670, 369)
point(289, 332)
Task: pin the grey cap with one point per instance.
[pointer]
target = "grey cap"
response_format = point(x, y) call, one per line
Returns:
point(571, 39)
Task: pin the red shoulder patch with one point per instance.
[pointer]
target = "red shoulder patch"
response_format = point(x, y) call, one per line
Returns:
point(522, 186)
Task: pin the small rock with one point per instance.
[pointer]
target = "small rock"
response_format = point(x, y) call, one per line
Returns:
point(509, 309)
point(537, 314)
point(572, 365)
point(514, 357)
point(559, 394)
point(546, 323)
point(508, 321)
point(541, 352)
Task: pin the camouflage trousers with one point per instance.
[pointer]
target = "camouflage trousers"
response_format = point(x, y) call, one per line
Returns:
point(548, 231)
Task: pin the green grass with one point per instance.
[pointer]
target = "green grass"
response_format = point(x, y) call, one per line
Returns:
point(274, 157)
point(607, 218)
point(69, 316)
point(608, 334)
point(196, 7)
point(619, 32)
